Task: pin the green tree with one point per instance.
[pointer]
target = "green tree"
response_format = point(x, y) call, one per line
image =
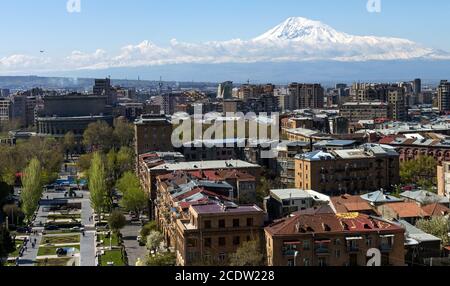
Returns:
point(125, 160)
point(437, 226)
point(98, 136)
point(161, 259)
point(134, 198)
point(84, 162)
point(32, 188)
point(123, 133)
point(6, 244)
point(117, 221)
point(148, 228)
point(97, 184)
point(13, 212)
point(69, 143)
point(421, 172)
point(154, 240)
point(249, 254)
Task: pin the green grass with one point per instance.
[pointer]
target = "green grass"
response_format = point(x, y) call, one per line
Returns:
point(53, 262)
point(68, 239)
point(112, 256)
point(115, 239)
point(15, 253)
point(46, 251)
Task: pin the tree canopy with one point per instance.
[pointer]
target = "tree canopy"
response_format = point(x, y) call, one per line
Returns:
point(249, 254)
point(134, 198)
point(32, 188)
point(421, 172)
point(116, 221)
point(97, 184)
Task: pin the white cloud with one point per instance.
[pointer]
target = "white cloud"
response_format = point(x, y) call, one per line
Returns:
point(296, 39)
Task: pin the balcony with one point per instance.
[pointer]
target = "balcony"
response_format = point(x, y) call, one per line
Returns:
point(386, 247)
point(322, 251)
point(289, 252)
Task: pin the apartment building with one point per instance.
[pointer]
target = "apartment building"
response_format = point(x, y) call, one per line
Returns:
point(333, 240)
point(356, 111)
point(346, 171)
point(214, 231)
point(153, 133)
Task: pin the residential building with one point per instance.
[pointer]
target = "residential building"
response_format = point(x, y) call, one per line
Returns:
point(346, 171)
point(210, 150)
point(443, 179)
point(287, 150)
point(102, 87)
point(397, 102)
point(284, 202)
point(378, 198)
point(349, 204)
point(356, 111)
point(307, 95)
point(225, 90)
point(444, 96)
point(409, 212)
point(420, 246)
point(333, 240)
point(153, 133)
point(214, 231)
point(423, 198)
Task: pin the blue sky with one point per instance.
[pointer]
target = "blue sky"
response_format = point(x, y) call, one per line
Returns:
point(26, 26)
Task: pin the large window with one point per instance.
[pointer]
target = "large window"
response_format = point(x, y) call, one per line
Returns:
point(207, 224)
point(236, 222)
point(208, 242)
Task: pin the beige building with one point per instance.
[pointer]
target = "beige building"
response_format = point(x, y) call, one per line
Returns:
point(214, 231)
point(443, 179)
point(347, 171)
point(356, 111)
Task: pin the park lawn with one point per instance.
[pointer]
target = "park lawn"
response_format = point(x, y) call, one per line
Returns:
point(112, 256)
point(51, 250)
point(67, 239)
point(114, 242)
point(53, 262)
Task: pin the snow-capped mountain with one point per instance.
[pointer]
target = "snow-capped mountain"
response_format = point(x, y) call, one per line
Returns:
point(314, 40)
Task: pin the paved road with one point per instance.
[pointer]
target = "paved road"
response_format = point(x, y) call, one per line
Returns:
point(130, 233)
point(29, 256)
point(88, 242)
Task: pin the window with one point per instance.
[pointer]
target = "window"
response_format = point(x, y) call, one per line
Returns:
point(290, 263)
point(236, 222)
point(236, 240)
point(369, 241)
point(222, 241)
point(306, 245)
point(322, 262)
point(250, 221)
point(338, 253)
point(207, 224)
point(208, 242)
point(221, 223)
point(222, 257)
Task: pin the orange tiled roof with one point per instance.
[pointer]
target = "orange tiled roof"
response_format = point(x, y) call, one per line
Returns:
point(436, 210)
point(406, 210)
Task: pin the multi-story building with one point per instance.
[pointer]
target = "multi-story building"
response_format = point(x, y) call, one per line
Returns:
point(443, 179)
point(282, 203)
point(225, 90)
point(415, 146)
point(4, 92)
point(397, 102)
point(72, 112)
point(247, 91)
point(417, 84)
point(356, 111)
point(214, 231)
point(346, 171)
point(333, 240)
point(286, 160)
point(444, 96)
point(214, 149)
point(102, 87)
point(307, 95)
point(153, 133)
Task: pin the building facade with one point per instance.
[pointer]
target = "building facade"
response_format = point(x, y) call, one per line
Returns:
point(153, 133)
point(333, 240)
point(346, 171)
